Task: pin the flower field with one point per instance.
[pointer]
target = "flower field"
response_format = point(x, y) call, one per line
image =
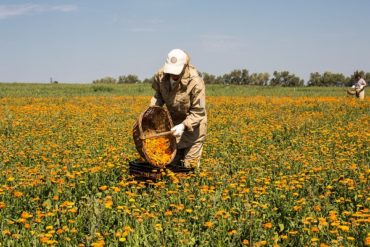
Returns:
point(276, 171)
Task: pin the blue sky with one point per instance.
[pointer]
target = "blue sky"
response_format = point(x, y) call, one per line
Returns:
point(80, 41)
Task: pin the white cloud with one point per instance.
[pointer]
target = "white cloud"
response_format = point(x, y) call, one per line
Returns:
point(7, 11)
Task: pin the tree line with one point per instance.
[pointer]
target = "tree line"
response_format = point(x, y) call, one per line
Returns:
point(243, 77)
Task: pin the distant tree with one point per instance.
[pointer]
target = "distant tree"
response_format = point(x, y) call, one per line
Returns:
point(226, 79)
point(105, 80)
point(219, 80)
point(285, 79)
point(260, 79)
point(334, 79)
point(327, 79)
point(149, 80)
point(237, 77)
point(128, 79)
point(245, 78)
point(208, 78)
point(315, 79)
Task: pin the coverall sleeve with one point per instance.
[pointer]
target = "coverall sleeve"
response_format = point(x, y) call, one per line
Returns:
point(197, 111)
point(157, 99)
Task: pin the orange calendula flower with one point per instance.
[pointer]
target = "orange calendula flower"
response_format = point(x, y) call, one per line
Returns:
point(103, 188)
point(344, 228)
point(18, 194)
point(158, 150)
point(26, 215)
point(367, 241)
point(108, 204)
point(99, 243)
point(168, 213)
point(208, 224)
point(268, 225)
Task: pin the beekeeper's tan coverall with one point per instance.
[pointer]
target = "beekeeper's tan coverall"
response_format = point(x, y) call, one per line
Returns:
point(360, 88)
point(185, 101)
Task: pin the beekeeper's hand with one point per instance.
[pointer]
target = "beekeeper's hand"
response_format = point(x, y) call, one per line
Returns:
point(359, 89)
point(153, 101)
point(178, 130)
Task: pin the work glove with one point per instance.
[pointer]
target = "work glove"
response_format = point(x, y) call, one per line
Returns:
point(178, 130)
point(153, 101)
point(358, 90)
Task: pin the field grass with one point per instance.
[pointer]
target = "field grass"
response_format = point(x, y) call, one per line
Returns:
point(48, 90)
point(281, 167)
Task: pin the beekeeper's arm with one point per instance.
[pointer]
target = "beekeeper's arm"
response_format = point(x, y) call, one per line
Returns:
point(364, 84)
point(197, 110)
point(157, 99)
point(361, 84)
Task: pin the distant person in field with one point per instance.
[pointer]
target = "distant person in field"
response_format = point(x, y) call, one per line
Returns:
point(359, 88)
point(179, 86)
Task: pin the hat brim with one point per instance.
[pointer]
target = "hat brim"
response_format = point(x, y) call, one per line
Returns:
point(173, 69)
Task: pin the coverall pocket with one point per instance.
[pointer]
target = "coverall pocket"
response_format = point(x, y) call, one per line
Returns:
point(183, 104)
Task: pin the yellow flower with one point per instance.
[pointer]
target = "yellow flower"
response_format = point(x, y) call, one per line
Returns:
point(344, 228)
point(103, 187)
point(367, 241)
point(99, 243)
point(26, 215)
point(49, 227)
point(168, 213)
point(267, 225)
point(261, 243)
point(158, 150)
point(208, 224)
point(72, 210)
point(315, 229)
point(284, 237)
point(108, 203)
point(158, 227)
point(18, 194)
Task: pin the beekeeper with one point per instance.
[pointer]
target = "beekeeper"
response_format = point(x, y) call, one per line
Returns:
point(360, 87)
point(179, 86)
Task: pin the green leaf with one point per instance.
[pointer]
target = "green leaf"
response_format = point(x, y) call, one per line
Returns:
point(281, 227)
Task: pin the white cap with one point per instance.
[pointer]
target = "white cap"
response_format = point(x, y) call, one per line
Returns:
point(176, 59)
